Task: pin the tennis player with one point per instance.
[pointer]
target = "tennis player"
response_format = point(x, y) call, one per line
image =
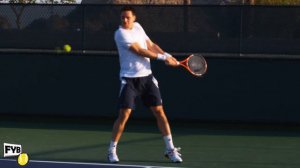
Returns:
point(135, 51)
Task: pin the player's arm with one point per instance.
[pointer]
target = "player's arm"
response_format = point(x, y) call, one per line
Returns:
point(153, 53)
point(136, 48)
point(154, 47)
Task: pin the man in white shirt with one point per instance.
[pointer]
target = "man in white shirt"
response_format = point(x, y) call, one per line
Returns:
point(135, 51)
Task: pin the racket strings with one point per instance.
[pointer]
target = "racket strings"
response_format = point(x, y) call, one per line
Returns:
point(197, 65)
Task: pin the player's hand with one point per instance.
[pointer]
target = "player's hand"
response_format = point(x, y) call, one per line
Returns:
point(171, 61)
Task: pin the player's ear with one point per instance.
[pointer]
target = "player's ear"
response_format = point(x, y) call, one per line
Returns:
point(134, 18)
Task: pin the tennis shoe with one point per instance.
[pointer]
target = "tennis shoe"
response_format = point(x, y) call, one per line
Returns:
point(113, 157)
point(174, 155)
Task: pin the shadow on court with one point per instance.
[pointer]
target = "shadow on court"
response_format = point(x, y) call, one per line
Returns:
point(205, 144)
point(89, 147)
point(181, 127)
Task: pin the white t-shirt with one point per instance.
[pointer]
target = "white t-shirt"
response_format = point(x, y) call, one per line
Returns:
point(132, 65)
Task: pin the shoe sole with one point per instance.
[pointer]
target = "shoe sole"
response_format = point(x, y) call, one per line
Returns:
point(112, 161)
point(172, 160)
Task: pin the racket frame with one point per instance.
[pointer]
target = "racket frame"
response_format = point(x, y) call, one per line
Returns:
point(184, 63)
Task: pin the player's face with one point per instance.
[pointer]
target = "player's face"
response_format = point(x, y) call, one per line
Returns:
point(127, 19)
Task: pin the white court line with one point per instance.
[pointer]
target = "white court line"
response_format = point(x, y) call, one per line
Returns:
point(86, 163)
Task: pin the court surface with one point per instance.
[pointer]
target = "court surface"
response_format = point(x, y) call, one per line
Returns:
point(82, 142)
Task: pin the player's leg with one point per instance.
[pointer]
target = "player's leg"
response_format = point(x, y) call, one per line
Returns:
point(161, 120)
point(152, 99)
point(120, 123)
point(126, 104)
point(171, 152)
point(117, 131)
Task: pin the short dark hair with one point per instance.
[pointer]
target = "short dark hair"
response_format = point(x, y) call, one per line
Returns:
point(128, 8)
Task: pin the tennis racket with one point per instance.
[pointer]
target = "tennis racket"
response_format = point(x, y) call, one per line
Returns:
point(195, 64)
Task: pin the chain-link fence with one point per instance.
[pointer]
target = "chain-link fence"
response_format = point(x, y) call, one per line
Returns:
point(180, 29)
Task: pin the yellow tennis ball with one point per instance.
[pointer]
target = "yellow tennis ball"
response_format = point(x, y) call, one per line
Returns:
point(67, 48)
point(23, 159)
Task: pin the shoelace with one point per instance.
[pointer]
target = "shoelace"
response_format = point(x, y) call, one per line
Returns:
point(175, 151)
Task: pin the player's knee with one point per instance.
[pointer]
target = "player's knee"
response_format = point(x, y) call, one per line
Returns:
point(158, 111)
point(124, 114)
point(157, 108)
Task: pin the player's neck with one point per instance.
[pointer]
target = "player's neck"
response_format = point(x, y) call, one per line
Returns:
point(127, 27)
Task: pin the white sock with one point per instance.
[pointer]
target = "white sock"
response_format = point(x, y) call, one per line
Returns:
point(112, 146)
point(169, 142)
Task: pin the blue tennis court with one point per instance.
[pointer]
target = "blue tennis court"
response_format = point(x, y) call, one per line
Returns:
point(12, 163)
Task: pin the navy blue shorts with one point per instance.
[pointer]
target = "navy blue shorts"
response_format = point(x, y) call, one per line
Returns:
point(144, 87)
